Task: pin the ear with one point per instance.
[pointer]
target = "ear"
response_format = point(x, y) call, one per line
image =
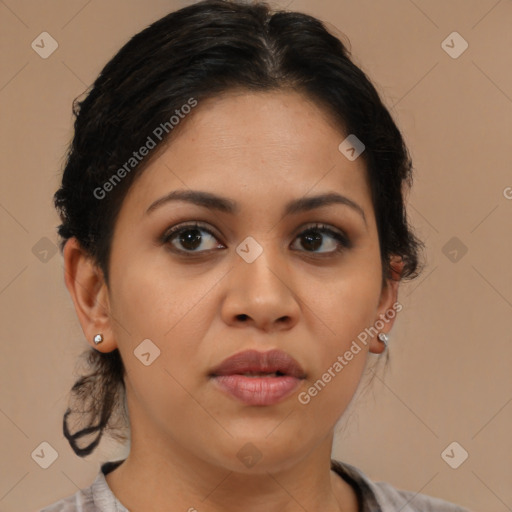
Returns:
point(87, 287)
point(388, 306)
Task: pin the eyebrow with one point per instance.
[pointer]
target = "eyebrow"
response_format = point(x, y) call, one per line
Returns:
point(225, 205)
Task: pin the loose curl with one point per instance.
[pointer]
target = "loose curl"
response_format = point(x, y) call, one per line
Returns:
point(201, 51)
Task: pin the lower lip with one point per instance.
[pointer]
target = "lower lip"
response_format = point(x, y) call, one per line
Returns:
point(258, 390)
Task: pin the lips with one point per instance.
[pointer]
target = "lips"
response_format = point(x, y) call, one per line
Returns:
point(258, 378)
point(260, 364)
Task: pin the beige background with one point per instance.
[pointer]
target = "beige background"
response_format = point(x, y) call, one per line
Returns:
point(449, 377)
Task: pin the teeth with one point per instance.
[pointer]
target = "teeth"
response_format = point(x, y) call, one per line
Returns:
point(260, 374)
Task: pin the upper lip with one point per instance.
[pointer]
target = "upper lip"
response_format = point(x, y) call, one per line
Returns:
point(259, 362)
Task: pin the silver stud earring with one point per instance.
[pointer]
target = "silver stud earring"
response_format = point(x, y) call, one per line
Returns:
point(384, 338)
point(98, 338)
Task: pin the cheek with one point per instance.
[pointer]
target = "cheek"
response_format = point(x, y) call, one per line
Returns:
point(344, 309)
point(344, 305)
point(327, 396)
point(148, 305)
point(172, 310)
point(340, 356)
point(151, 302)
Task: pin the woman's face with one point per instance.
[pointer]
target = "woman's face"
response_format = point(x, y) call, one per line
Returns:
point(249, 279)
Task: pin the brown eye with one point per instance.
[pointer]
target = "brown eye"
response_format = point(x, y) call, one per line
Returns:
point(320, 236)
point(192, 238)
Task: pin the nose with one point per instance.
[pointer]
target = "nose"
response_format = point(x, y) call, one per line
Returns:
point(261, 295)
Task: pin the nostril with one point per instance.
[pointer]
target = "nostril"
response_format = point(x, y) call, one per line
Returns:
point(242, 317)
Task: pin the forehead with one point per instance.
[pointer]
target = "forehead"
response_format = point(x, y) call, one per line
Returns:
point(269, 145)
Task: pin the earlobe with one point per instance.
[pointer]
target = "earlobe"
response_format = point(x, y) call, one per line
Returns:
point(388, 306)
point(88, 290)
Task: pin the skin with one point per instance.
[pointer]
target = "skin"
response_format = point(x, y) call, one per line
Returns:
point(260, 150)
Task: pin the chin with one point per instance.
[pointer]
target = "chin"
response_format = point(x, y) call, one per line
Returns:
point(259, 455)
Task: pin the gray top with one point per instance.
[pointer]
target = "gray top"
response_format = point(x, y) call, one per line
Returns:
point(372, 496)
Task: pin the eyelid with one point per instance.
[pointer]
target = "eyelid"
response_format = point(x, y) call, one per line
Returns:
point(187, 225)
point(321, 226)
point(339, 235)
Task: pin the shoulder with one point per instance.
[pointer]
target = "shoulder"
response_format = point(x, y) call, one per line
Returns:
point(81, 501)
point(390, 497)
point(96, 498)
point(383, 497)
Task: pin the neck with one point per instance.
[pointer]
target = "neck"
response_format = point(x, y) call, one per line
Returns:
point(165, 474)
point(175, 478)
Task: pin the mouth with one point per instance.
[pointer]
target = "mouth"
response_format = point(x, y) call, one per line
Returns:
point(258, 378)
point(252, 363)
point(262, 374)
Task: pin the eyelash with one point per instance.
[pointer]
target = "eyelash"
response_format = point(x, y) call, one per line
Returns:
point(343, 242)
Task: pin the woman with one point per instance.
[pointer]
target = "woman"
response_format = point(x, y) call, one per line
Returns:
point(234, 235)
